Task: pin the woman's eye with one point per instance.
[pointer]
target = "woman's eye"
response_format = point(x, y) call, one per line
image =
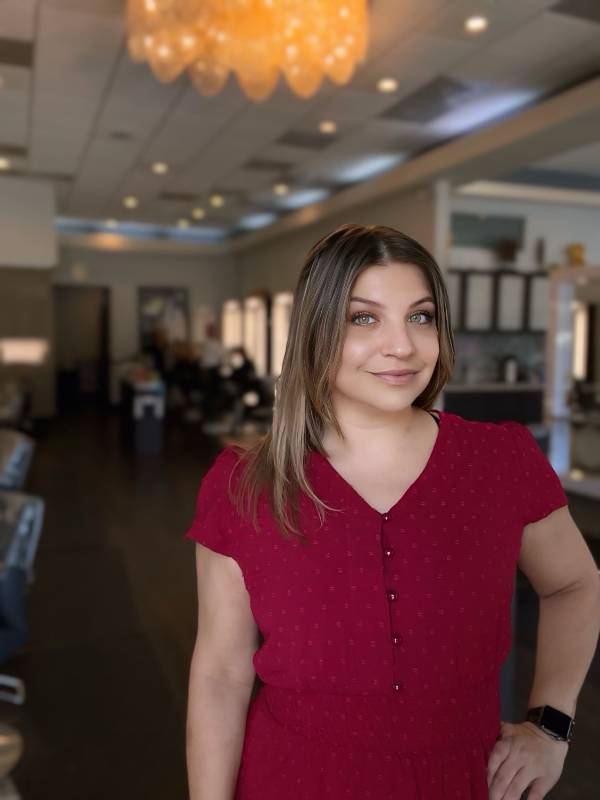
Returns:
point(428, 316)
point(361, 314)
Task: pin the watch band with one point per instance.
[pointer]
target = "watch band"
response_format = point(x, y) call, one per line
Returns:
point(555, 723)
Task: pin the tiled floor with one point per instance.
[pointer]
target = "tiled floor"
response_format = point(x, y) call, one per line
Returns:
point(113, 614)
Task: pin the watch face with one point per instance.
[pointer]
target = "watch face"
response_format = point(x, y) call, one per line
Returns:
point(556, 721)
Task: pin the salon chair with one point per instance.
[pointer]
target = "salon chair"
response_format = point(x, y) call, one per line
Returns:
point(21, 519)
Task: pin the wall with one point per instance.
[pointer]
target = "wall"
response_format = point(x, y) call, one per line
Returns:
point(275, 264)
point(27, 229)
point(210, 281)
point(559, 225)
point(26, 310)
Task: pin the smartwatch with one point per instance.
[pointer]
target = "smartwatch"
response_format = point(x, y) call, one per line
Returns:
point(555, 723)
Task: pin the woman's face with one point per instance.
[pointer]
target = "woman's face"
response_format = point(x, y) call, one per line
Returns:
point(391, 328)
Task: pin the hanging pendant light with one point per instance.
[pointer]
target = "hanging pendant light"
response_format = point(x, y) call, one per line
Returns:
point(256, 39)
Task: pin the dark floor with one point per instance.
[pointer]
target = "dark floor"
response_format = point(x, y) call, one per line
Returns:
point(113, 613)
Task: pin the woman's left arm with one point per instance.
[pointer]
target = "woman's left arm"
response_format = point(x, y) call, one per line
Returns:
point(557, 561)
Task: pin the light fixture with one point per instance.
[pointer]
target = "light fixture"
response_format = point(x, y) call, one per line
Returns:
point(4, 163)
point(327, 126)
point(476, 24)
point(303, 197)
point(256, 40)
point(198, 213)
point(130, 201)
point(281, 188)
point(366, 167)
point(160, 168)
point(580, 339)
point(217, 200)
point(258, 220)
point(23, 351)
point(183, 223)
point(387, 85)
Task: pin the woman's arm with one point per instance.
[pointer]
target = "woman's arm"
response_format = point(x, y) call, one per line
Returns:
point(221, 677)
point(561, 569)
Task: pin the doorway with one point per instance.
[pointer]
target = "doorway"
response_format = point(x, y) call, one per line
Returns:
point(82, 347)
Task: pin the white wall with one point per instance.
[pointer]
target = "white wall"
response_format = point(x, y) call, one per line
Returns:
point(275, 264)
point(27, 233)
point(559, 225)
point(210, 281)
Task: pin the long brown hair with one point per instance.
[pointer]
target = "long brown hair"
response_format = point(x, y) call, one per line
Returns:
point(275, 463)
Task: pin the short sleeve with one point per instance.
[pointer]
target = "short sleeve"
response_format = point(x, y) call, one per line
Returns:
point(540, 486)
point(211, 524)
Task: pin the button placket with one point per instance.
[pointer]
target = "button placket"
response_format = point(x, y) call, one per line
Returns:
point(392, 596)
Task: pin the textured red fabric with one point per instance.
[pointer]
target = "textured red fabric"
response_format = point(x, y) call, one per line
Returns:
point(385, 635)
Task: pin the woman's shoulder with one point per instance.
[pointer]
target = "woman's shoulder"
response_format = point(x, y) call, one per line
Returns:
point(224, 463)
point(497, 432)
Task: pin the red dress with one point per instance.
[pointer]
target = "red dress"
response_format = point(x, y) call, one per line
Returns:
point(384, 638)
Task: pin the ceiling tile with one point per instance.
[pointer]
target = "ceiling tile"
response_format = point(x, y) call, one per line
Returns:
point(503, 18)
point(86, 90)
point(582, 9)
point(17, 19)
point(584, 160)
point(14, 113)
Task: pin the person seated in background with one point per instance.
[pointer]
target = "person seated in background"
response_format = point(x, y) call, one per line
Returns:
point(185, 376)
point(158, 350)
point(243, 371)
point(213, 355)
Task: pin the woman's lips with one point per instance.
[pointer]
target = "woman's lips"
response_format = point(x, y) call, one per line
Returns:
point(395, 379)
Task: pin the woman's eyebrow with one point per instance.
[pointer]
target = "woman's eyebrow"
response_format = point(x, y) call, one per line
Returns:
point(381, 305)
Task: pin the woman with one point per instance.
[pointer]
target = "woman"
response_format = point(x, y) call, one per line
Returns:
point(368, 544)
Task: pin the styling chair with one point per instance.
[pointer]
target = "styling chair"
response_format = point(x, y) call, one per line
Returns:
point(21, 520)
point(16, 452)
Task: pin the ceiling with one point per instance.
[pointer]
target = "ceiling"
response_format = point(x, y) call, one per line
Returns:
point(75, 109)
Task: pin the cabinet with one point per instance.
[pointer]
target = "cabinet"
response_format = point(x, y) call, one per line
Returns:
point(498, 300)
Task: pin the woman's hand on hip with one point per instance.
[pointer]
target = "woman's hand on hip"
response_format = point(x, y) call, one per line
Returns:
point(524, 757)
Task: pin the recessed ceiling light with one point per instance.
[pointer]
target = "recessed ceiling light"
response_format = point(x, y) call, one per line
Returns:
point(111, 223)
point(217, 200)
point(281, 188)
point(160, 168)
point(4, 163)
point(183, 223)
point(387, 85)
point(130, 201)
point(198, 213)
point(303, 197)
point(476, 24)
point(327, 126)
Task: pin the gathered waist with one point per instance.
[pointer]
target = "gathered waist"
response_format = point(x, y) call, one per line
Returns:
point(392, 722)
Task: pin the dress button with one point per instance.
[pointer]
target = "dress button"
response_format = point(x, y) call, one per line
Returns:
point(388, 552)
point(397, 638)
point(392, 595)
point(398, 686)
point(386, 517)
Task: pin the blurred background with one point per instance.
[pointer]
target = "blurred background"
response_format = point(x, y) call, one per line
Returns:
point(160, 185)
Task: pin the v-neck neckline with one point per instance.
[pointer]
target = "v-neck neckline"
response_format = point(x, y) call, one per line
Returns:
point(431, 461)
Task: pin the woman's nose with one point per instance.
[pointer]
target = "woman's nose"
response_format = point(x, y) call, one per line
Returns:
point(398, 341)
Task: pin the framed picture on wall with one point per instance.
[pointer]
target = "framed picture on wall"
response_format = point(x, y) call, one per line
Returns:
point(163, 313)
point(511, 298)
point(479, 302)
point(539, 301)
point(453, 285)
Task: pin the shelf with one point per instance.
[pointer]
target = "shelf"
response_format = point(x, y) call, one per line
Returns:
point(521, 386)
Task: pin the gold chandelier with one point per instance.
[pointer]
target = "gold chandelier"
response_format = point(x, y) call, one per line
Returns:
point(256, 39)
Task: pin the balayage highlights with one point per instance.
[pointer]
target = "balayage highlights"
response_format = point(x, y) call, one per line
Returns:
point(303, 407)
